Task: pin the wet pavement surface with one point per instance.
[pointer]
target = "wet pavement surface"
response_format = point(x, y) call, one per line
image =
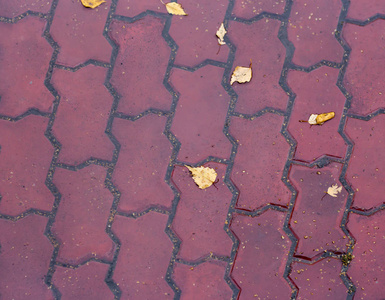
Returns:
point(101, 109)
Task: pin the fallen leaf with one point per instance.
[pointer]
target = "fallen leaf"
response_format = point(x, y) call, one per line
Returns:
point(92, 3)
point(334, 190)
point(174, 8)
point(241, 74)
point(221, 34)
point(315, 119)
point(203, 177)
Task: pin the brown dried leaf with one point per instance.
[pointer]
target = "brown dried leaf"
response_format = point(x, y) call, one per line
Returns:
point(221, 34)
point(203, 177)
point(334, 190)
point(315, 119)
point(241, 74)
point(92, 3)
point(174, 8)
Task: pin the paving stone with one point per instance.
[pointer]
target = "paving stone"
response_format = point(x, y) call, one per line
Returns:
point(311, 29)
point(363, 78)
point(247, 9)
point(82, 216)
point(132, 8)
point(362, 10)
point(142, 164)
point(366, 270)
point(267, 61)
point(317, 216)
point(14, 8)
point(24, 257)
point(25, 56)
point(320, 280)
point(366, 167)
point(261, 257)
point(259, 163)
point(316, 92)
point(204, 281)
point(141, 65)
point(143, 257)
point(82, 115)
point(82, 283)
point(195, 34)
point(79, 33)
point(23, 170)
point(201, 113)
point(201, 215)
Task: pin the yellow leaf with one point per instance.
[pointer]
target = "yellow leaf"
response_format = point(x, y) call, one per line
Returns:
point(334, 190)
point(241, 74)
point(174, 8)
point(203, 177)
point(221, 34)
point(92, 3)
point(315, 119)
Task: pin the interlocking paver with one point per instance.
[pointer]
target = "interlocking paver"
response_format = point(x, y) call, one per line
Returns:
point(311, 29)
point(81, 220)
point(198, 123)
point(320, 280)
point(367, 165)
point(24, 257)
point(201, 215)
point(143, 258)
point(363, 79)
point(267, 60)
point(23, 170)
point(248, 9)
point(204, 281)
point(84, 282)
point(11, 9)
point(262, 253)
point(317, 216)
point(195, 34)
point(140, 65)
point(361, 9)
point(316, 92)
point(82, 115)
point(79, 33)
point(259, 163)
point(367, 267)
point(25, 55)
point(143, 159)
point(101, 109)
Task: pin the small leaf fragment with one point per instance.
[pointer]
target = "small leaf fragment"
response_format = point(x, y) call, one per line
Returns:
point(315, 119)
point(203, 177)
point(241, 74)
point(334, 190)
point(92, 3)
point(221, 34)
point(174, 8)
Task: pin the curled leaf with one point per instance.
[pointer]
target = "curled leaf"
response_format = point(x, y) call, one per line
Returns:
point(315, 119)
point(334, 190)
point(92, 3)
point(174, 8)
point(203, 177)
point(221, 34)
point(241, 74)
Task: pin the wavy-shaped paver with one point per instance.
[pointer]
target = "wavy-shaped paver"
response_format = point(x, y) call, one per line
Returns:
point(258, 166)
point(82, 215)
point(24, 51)
point(24, 164)
point(317, 216)
point(248, 9)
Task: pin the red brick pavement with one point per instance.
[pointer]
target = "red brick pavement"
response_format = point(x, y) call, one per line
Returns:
point(101, 109)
